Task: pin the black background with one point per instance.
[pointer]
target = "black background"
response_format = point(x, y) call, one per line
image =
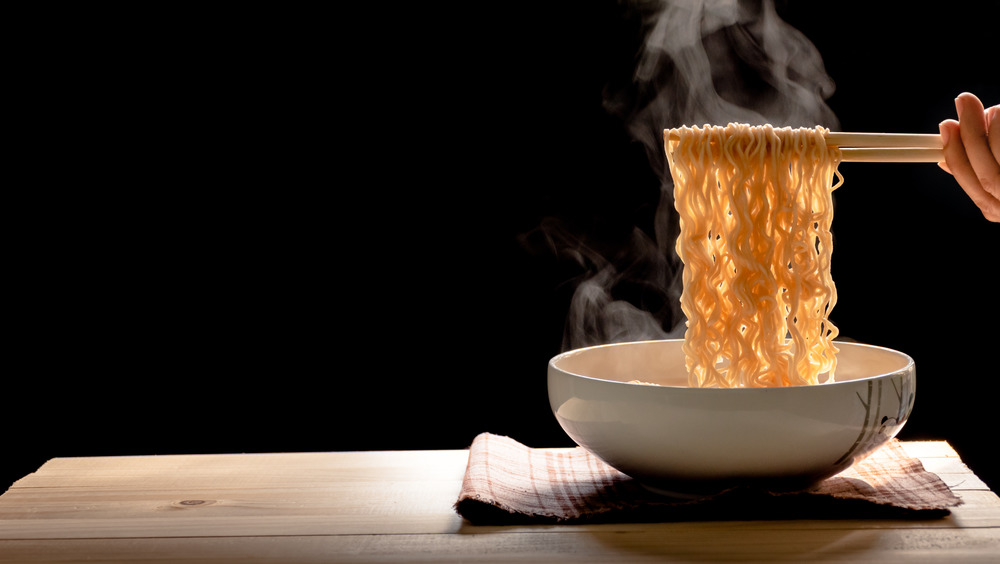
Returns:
point(251, 232)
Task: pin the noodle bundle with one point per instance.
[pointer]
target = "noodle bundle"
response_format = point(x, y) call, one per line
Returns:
point(755, 206)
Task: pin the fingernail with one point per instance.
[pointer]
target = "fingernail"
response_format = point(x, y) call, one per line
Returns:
point(945, 134)
point(991, 115)
point(958, 109)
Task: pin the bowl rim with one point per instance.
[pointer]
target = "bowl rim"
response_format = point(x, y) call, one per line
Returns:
point(909, 367)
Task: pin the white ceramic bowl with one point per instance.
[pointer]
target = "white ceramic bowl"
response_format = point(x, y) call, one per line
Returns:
point(693, 441)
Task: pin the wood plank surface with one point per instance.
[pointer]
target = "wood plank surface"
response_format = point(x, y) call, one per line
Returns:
point(397, 506)
point(680, 545)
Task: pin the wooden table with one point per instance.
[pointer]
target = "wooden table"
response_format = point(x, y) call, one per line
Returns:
point(397, 506)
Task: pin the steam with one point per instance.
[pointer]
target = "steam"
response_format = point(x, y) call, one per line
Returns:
point(701, 62)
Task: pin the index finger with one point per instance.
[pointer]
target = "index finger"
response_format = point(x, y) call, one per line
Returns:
point(972, 120)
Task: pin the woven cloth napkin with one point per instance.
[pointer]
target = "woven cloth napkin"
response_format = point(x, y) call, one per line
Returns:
point(507, 482)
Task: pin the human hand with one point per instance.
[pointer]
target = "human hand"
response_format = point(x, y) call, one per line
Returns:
point(972, 152)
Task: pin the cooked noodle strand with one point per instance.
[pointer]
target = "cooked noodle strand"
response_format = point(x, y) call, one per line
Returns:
point(755, 206)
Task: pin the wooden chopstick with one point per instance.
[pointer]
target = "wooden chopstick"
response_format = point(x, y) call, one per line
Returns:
point(888, 147)
point(891, 155)
point(882, 147)
point(910, 140)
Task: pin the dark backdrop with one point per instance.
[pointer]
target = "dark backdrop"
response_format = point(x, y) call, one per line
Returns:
point(302, 231)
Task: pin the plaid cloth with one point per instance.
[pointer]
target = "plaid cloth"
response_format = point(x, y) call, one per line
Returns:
point(507, 482)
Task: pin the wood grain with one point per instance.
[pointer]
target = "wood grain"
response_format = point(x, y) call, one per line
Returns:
point(397, 506)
